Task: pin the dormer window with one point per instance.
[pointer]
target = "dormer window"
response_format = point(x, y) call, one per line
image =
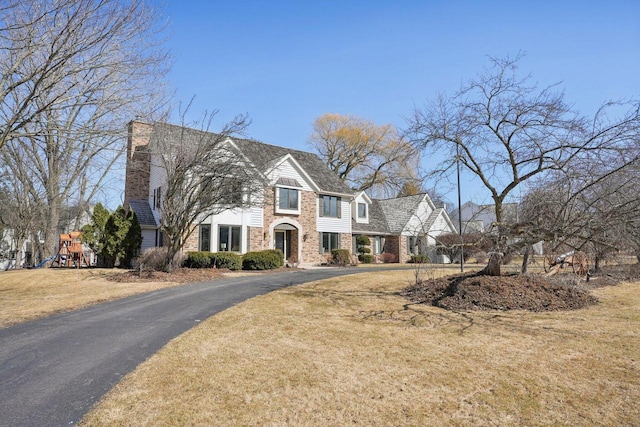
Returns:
point(362, 210)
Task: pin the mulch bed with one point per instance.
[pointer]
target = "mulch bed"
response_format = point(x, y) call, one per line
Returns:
point(514, 292)
point(180, 275)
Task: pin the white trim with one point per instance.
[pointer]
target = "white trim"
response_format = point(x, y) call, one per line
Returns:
point(296, 165)
point(272, 237)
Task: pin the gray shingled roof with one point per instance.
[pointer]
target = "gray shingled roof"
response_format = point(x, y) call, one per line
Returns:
point(399, 211)
point(264, 155)
point(377, 221)
point(143, 212)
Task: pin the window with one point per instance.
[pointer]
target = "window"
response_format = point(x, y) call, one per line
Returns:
point(412, 242)
point(329, 242)
point(157, 195)
point(376, 245)
point(362, 210)
point(330, 206)
point(205, 237)
point(288, 198)
point(229, 238)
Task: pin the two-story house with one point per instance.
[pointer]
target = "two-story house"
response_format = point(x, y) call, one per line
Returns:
point(306, 211)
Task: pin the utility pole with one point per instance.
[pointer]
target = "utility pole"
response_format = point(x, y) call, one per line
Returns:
point(460, 211)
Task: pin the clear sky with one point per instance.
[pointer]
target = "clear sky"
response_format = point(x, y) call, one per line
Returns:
point(287, 62)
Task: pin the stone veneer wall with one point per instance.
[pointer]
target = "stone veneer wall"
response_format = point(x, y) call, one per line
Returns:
point(256, 239)
point(138, 162)
point(404, 255)
point(306, 219)
point(191, 244)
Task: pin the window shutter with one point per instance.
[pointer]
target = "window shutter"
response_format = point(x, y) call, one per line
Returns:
point(339, 207)
point(321, 210)
point(320, 244)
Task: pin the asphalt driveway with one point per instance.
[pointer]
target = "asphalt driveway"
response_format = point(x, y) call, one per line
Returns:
point(54, 369)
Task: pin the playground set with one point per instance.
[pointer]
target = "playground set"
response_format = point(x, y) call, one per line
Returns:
point(70, 252)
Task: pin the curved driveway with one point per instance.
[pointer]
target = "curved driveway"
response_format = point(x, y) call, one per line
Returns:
point(54, 369)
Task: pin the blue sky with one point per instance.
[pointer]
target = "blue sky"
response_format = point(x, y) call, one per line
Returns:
point(287, 62)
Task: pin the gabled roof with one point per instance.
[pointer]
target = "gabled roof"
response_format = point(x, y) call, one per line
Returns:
point(377, 221)
point(398, 211)
point(143, 212)
point(263, 156)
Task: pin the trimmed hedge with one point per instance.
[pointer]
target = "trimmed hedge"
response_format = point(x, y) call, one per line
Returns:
point(276, 253)
point(198, 260)
point(340, 257)
point(365, 258)
point(229, 260)
point(419, 259)
point(263, 260)
point(363, 240)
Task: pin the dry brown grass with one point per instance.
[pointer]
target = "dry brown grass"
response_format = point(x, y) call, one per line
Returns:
point(31, 294)
point(351, 351)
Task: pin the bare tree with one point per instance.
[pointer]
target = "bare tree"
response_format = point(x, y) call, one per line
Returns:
point(205, 175)
point(74, 72)
point(364, 155)
point(507, 131)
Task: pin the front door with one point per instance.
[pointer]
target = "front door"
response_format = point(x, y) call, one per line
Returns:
point(283, 242)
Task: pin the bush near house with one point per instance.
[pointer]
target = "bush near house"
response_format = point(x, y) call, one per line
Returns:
point(262, 260)
point(340, 257)
point(365, 258)
point(198, 260)
point(278, 253)
point(229, 260)
point(205, 259)
point(388, 258)
point(419, 259)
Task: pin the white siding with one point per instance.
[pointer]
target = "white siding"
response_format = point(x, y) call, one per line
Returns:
point(157, 178)
point(237, 217)
point(335, 225)
point(288, 170)
point(256, 217)
point(354, 209)
point(417, 221)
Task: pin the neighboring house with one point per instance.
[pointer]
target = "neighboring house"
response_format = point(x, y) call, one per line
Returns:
point(480, 218)
point(307, 211)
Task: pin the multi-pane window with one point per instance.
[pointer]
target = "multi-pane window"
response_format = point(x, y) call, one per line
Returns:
point(362, 210)
point(288, 198)
point(157, 198)
point(229, 238)
point(329, 242)
point(330, 206)
point(205, 237)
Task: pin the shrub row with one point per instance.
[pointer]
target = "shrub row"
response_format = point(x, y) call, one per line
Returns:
point(262, 260)
point(228, 260)
point(419, 259)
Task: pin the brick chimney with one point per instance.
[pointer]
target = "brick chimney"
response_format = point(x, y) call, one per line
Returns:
point(138, 161)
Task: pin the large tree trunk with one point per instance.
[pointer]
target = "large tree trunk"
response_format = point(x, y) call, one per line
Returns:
point(493, 266)
point(525, 259)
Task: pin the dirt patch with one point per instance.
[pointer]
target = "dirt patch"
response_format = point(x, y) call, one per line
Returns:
point(514, 292)
point(179, 275)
